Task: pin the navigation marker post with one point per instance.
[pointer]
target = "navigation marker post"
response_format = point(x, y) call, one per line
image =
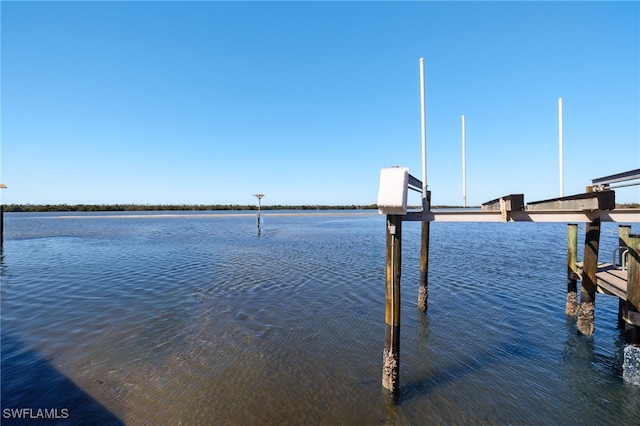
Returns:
point(259, 196)
point(2, 186)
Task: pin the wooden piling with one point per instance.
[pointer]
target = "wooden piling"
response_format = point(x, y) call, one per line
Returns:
point(623, 235)
point(423, 286)
point(631, 364)
point(572, 279)
point(632, 314)
point(623, 242)
point(391, 357)
point(586, 312)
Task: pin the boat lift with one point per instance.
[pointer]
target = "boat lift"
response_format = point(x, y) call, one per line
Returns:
point(604, 183)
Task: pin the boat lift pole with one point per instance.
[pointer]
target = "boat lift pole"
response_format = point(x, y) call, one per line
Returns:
point(423, 122)
point(423, 286)
point(464, 163)
point(560, 147)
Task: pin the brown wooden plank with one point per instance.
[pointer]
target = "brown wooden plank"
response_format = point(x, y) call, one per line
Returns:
point(513, 203)
point(602, 200)
point(610, 278)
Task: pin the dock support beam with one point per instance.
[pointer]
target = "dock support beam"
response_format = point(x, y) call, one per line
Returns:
point(423, 287)
point(623, 241)
point(391, 357)
point(631, 365)
point(623, 238)
point(572, 281)
point(586, 312)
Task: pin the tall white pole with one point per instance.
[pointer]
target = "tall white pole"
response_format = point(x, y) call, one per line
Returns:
point(423, 122)
point(464, 163)
point(560, 147)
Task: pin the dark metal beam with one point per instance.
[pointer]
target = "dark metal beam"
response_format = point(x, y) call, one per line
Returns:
point(619, 177)
point(416, 183)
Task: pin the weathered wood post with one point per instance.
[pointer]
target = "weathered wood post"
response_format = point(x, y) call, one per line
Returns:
point(391, 357)
point(631, 366)
point(572, 278)
point(586, 312)
point(623, 242)
point(623, 238)
point(423, 287)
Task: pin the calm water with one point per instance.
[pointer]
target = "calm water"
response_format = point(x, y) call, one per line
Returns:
point(193, 319)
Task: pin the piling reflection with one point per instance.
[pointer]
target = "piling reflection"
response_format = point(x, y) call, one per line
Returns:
point(391, 402)
point(422, 330)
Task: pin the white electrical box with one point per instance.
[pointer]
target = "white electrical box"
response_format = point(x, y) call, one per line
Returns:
point(392, 194)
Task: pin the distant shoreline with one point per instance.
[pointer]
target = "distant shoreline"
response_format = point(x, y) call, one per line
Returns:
point(49, 208)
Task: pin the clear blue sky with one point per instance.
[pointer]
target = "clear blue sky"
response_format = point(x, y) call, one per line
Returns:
point(211, 102)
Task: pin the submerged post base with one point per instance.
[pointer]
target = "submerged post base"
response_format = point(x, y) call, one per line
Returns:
point(390, 371)
point(422, 296)
point(572, 303)
point(586, 318)
point(631, 365)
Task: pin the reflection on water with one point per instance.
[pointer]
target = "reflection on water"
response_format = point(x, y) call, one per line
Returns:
point(194, 319)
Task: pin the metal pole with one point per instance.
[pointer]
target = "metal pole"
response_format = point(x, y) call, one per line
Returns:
point(259, 196)
point(560, 143)
point(464, 163)
point(423, 122)
point(2, 186)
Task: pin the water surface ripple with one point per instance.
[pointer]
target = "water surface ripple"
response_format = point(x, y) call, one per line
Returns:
point(194, 319)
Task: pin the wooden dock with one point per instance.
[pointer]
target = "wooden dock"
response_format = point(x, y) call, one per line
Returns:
point(611, 279)
point(592, 208)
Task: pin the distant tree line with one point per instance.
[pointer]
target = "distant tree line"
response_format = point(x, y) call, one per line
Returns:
point(200, 207)
point(169, 207)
